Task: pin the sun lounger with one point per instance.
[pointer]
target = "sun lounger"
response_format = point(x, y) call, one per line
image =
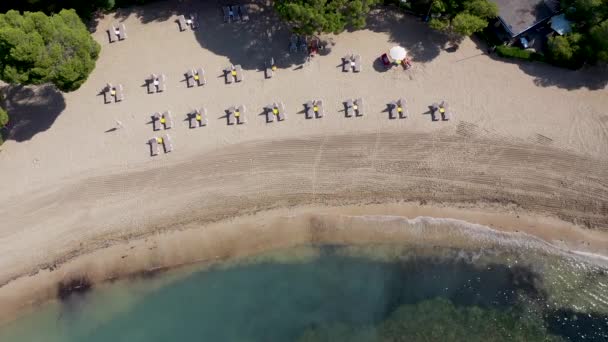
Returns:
point(392, 110)
point(167, 143)
point(168, 119)
point(446, 114)
point(226, 11)
point(270, 68)
point(359, 109)
point(156, 125)
point(120, 93)
point(293, 43)
point(112, 34)
point(150, 84)
point(282, 115)
point(239, 73)
point(348, 108)
point(346, 63)
point(270, 112)
point(230, 116)
point(190, 78)
point(302, 44)
point(357, 66)
point(200, 117)
point(194, 19)
point(181, 21)
point(243, 13)
point(192, 119)
point(403, 105)
point(320, 110)
point(229, 77)
point(154, 148)
point(162, 82)
point(107, 93)
point(204, 118)
point(200, 72)
point(240, 111)
point(123, 32)
point(308, 110)
point(235, 13)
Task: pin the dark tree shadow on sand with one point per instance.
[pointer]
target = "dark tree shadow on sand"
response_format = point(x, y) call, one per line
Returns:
point(31, 109)
point(545, 75)
point(422, 43)
point(250, 43)
point(154, 11)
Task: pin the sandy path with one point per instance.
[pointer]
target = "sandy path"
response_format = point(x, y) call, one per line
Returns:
point(73, 188)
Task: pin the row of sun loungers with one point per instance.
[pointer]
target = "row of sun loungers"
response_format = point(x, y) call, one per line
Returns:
point(156, 142)
point(195, 77)
point(117, 32)
point(353, 107)
point(313, 109)
point(235, 13)
point(351, 62)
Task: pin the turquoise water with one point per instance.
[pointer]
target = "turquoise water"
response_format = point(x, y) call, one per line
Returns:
point(332, 293)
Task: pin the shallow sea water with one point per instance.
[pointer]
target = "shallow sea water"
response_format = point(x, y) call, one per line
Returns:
point(342, 293)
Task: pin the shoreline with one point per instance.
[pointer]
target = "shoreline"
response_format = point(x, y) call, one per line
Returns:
point(265, 231)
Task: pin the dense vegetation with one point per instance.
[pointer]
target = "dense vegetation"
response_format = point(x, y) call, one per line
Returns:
point(440, 320)
point(84, 8)
point(462, 17)
point(316, 16)
point(36, 48)
point(588, 42)
point(515, 52)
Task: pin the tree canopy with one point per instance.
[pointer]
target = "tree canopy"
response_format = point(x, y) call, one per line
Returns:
point(463, 17)
point(317, 16)
point(36, 48)
point(588, 41)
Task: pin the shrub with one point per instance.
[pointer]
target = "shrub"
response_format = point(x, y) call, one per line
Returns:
point(515, 52)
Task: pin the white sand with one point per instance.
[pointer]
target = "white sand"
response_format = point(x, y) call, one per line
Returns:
point(74, 188)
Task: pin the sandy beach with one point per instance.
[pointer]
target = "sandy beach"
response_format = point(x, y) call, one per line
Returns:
point(526, 151)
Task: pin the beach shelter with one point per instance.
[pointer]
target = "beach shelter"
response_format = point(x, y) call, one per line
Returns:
point(397, 54)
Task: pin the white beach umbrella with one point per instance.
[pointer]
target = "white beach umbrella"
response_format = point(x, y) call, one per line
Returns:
point(397, 53)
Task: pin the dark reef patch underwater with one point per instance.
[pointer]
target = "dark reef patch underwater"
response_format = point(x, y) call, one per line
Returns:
point(343, 293)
